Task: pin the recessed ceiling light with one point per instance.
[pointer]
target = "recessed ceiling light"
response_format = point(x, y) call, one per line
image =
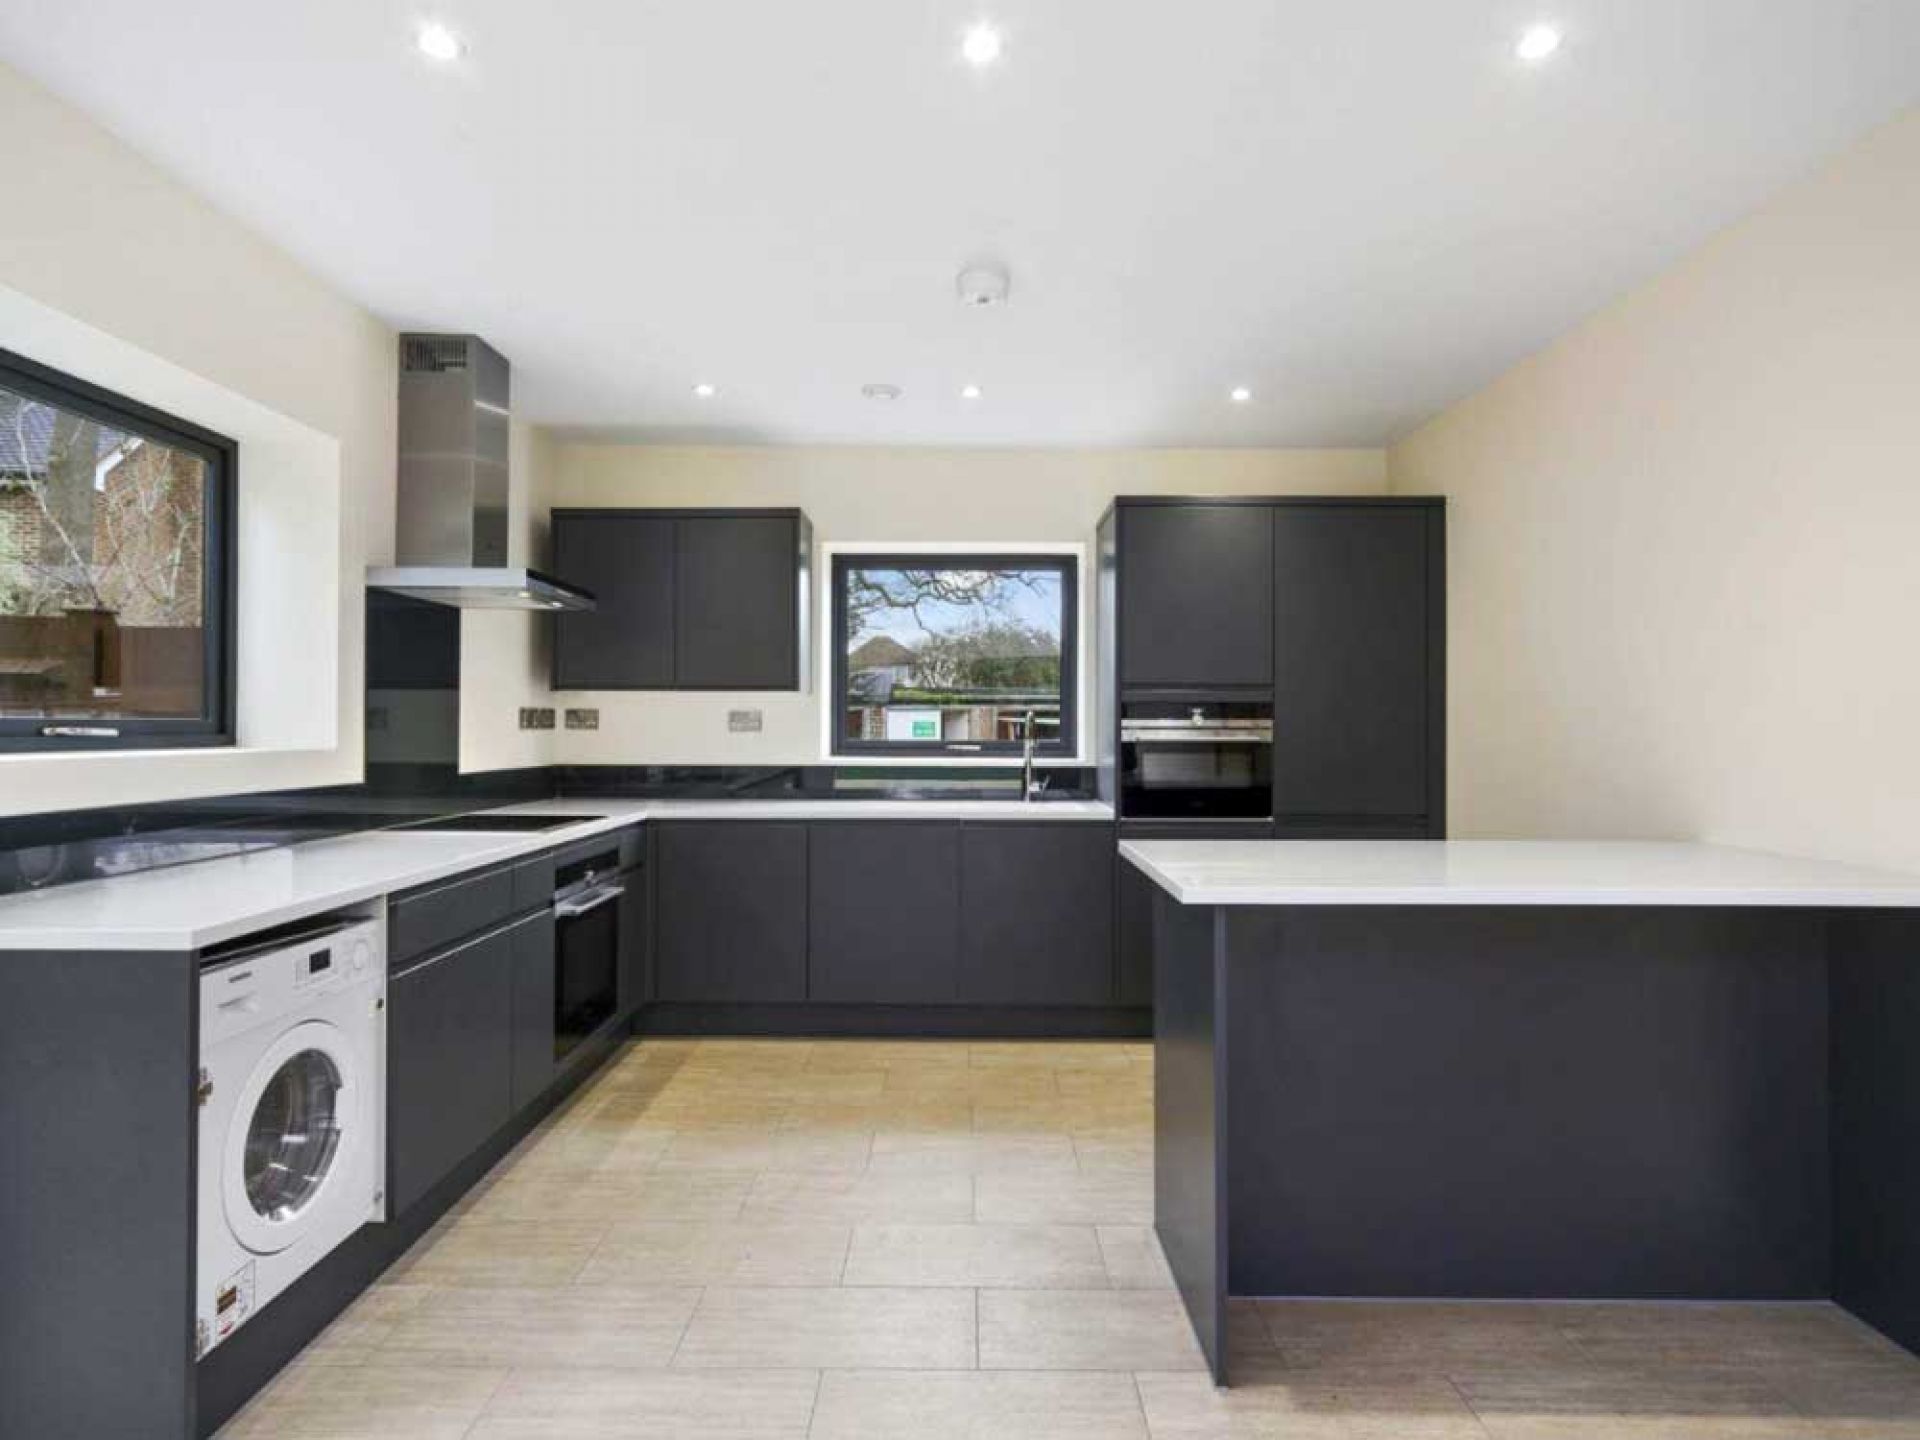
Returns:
point(1536, 43)
point(969, 392)
point(982, 44)
point(881, 392)
point(1240, 394)
point(437, 42)
point(706, 391)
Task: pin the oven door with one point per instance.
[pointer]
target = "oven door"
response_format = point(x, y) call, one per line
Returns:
point(586, 962)
point(1195, 770)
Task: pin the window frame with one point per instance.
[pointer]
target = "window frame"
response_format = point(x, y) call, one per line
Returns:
point(216, 725)
point(1065, 561)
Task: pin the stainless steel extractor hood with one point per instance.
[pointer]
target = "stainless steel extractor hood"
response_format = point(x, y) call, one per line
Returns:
point(451, 537)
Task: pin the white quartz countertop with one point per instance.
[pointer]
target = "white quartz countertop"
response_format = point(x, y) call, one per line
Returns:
point(1506, 872)
point(186, 907)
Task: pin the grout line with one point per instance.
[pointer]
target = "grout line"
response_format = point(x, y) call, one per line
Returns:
point(673, 1360)
point(813, 1410)
point(1140, 1401)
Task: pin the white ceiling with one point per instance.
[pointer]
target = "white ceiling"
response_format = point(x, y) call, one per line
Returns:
point(1363, 209)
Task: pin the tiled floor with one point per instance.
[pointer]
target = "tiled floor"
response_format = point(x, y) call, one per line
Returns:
point(857, 1240)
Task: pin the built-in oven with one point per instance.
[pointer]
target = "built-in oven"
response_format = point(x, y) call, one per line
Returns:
point(1196, 758)
point(586, 948)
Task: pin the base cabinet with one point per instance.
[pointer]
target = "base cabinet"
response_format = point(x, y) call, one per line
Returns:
point(449, 1059)
point(532, 1043)
point(732, 921)
point(883, 913)
point(1036, 913)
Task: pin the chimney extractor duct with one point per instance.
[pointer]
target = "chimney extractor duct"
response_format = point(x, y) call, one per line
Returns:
point(451, 536)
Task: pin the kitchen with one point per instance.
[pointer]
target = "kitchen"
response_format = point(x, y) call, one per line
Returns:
point(774, 972)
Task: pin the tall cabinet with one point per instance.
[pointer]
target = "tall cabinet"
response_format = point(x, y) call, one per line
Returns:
point(1332, 610)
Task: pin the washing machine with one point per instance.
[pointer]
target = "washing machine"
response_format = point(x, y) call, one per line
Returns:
point(292, 1111)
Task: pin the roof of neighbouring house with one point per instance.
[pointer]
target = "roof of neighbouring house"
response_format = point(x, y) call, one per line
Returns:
point(26, 434)
point(877, 653)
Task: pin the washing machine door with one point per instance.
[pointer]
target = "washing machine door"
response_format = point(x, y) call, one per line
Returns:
point(293, 1137)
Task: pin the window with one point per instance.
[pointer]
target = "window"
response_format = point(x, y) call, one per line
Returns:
point(954, 654)
point(116, 573)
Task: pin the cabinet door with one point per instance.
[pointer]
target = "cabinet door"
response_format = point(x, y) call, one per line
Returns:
point(736, 599)
point(627, 561)
point(732, 911)
point(532, 1009)
point(1350, 653)
point(1196, 595)
point(1133, 900)
point(883, 913)
point(1036, 913)
point(636, 940)
point(449, 1061)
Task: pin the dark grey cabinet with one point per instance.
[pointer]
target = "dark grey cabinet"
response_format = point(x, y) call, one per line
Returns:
point(532, 1041)
point(627, 561)
point(1133, 901)
point(1196, 595)
point(1036, 913)
point(687, 599)
point(449, 1059)
point(736, 603)
point(731, 922)
point(1355, 620)
point(636, 939)
point(883, 913)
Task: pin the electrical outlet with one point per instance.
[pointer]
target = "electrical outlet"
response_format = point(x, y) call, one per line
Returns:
point(536, 717)
point(582, 719)
point(743, 722)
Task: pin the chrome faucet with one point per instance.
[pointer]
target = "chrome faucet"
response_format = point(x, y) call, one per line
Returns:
point(1029, 787)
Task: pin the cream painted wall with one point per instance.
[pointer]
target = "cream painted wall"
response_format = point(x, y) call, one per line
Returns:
point(1682, 559)
point(896, 495)
point(109, 240)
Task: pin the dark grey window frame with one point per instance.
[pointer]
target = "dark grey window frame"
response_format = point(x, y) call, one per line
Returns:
point(1066, 563)
point(214, 726)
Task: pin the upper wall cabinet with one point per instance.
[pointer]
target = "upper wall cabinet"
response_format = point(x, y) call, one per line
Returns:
point(1358, 609)
point(1196, 595)
point(688, 599)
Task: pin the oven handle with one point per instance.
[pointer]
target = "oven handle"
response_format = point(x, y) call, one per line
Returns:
point(571, 907)
point(1195, 737)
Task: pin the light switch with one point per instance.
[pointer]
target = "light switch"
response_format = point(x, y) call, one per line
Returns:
point(744, 722)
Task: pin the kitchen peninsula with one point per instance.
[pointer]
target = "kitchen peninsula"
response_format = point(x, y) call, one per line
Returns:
point(1480, 1069)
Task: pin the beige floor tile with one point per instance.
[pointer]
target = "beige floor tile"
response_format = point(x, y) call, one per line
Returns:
point(641, 1405)
point(1018, 1116)
point(1081, 1198)
point(1085, 1330)
point(495, 1252)
point(611, 1196)
point(1015, 1256)
point(1126, 1084)
point(1693, 1391)
point(1687, 1333)
point(1420, 1337)
point(1102, 1152)
point(769, 1149)
point(915, 1112)
point(837, 1328)
point(654, 1252)
point(363, 1327)
point(970, 1154)
point(544, 1327)
point(976, 1405)
point(396, 1402)
point(1047, 1054)
point(1133, 1258)
point(1263, 1405)
point(882, 1055)
point(780, 1197)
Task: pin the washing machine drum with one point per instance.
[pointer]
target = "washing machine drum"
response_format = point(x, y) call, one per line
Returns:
point(293, 1134)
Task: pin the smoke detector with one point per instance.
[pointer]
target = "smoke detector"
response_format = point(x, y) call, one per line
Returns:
point(981, 287)
point(881, 392)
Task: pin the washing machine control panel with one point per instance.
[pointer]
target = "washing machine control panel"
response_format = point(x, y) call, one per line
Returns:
point(258, 986)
